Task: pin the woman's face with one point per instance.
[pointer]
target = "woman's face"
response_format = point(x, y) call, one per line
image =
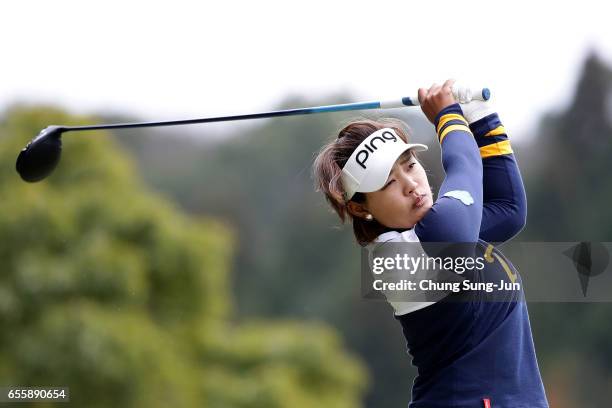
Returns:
point(406, 196)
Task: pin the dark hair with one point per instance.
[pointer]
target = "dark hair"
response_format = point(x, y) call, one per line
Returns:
point(333, 156)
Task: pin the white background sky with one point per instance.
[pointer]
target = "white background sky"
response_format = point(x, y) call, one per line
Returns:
point(184, 59)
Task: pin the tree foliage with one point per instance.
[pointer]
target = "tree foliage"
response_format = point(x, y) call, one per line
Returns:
point(107, 288)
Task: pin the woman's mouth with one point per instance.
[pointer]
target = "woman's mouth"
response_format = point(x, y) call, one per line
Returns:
point(420, 200)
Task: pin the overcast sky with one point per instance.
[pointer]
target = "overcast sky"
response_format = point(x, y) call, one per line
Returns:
point(182, 59)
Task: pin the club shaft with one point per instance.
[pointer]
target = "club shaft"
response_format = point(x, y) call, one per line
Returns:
point(272, 114)
point(482, 94)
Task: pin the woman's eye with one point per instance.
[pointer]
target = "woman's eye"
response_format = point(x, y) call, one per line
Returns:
point(388, 184)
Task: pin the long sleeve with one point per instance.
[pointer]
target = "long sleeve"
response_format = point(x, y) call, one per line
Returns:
point(504, 201)
point(456, 214)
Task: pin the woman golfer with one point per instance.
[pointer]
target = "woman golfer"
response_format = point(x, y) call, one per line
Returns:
point(471, 349)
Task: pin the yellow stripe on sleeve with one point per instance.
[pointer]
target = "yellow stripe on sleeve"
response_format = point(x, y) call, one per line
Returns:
point(451, 128)
point(496, 149)
point(500, 130)
point(449, 117)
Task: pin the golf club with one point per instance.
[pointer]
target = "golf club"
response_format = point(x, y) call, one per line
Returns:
point(41, 155)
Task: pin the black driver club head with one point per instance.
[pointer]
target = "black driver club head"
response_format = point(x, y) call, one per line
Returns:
point(40, 157)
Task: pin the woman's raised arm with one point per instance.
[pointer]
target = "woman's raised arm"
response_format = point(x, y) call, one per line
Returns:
point(504, 212)
point(456, 214)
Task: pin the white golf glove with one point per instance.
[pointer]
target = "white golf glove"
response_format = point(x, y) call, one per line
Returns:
point(473, 110)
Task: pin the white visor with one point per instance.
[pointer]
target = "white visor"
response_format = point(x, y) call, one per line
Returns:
point(369, 166)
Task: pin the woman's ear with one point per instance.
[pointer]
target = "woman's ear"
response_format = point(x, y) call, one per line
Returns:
point(357, 210)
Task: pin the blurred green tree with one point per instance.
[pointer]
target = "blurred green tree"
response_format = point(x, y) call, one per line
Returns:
point(106, 288)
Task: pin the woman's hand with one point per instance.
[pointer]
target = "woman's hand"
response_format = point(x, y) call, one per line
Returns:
point(436, 98)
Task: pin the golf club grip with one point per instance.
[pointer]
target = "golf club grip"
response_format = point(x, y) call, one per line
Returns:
point(462, 94)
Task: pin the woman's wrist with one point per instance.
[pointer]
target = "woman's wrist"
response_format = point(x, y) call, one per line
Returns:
point(454, 108)
point(450, 119)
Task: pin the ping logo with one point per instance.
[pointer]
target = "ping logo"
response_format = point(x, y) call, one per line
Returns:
point(363, 154)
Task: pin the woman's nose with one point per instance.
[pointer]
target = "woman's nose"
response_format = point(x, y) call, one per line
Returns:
point(409, 184)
